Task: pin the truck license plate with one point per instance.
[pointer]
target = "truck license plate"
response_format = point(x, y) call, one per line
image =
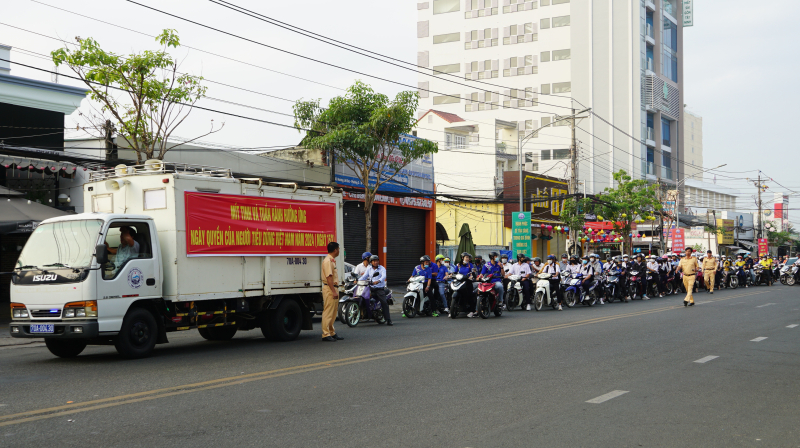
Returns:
point(42, 328)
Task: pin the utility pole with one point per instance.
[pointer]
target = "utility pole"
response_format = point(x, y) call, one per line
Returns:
point(573, 155)
point(758, 186)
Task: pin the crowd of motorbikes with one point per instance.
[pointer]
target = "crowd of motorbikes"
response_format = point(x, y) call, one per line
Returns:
point(474, 294)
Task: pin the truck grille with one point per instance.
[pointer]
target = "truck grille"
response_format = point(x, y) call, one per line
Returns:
point(54, 313)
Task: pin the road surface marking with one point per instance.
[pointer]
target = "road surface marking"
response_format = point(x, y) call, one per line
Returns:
point(706, 359)
point(766, 304)
point(91, 405)
point(759, 339)
point(608, 396)
point(791, 326)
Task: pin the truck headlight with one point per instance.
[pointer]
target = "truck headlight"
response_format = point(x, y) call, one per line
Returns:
point(81, 309)
point(19, 311)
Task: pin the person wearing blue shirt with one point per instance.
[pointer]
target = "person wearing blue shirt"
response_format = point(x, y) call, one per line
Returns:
point(495, 271)
point(378, 285)
point(424, 269)
point(442, 272)
point(434, 285)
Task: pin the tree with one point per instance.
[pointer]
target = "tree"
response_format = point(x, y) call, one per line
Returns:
point(159, 98)
point(362, 129)
point(573, 214)
point(627, 200)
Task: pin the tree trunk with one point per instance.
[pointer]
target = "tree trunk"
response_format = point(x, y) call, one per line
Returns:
point(369, 197)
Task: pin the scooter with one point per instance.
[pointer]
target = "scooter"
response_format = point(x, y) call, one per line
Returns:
point(634, 284)
point(789, 275)
point(652, 284)
point(514, 292)
point(459, 293)
point(415, 301)
point(543, 295)
point(349, 289)
point(612, 289)
point(487, 298)
point(574, 292)
point(730, 280)
point(361, 306)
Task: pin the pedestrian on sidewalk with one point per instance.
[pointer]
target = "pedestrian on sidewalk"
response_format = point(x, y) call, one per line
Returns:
point(710, 266)
point(330, 293)
point(688, 266)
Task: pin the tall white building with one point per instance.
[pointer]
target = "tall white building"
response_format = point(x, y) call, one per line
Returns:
point(693, 145)
point(518, 64)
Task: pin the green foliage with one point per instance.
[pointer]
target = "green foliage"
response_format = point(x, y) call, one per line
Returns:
point(158, 97)
point(362, 129)
point(629, 199)
point(573, 211)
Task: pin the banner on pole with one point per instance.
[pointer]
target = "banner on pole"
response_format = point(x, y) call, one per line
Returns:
point(231, 225)
point(763, 246)
point(678, 237)
point(521, 233)
point(688, 13)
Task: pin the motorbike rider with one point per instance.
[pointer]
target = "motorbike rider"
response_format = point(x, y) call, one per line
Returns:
point(618, 269)
point(424, 269)
point(654, 268)
point(608, 264)
point(536, 266)
point(766, 263)
point(362, 267)
point(641, 266)
point(494, 270)
point(588, 274)
point(573, 266)
point(378, 285)
point(523, 270)
point(738, 265)
point(727, 268)
point(594, 261)
point(438, 280)
point(554, 269)
point(467, 269)
point(663, 272)
point(749, 265)
point(564, 263)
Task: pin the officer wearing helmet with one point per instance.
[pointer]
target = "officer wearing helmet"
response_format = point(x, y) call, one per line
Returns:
point(362, 267)
point(424, 269)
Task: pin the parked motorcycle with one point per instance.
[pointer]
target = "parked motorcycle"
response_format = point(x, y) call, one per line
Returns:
point(742, 277)
point(350, 281)
point(514, 292)
point(574, 293)
point(729, 280)
point(487, 298)
point(789, 275)
point(543, 295)
point(362, 306)
point(460, 296)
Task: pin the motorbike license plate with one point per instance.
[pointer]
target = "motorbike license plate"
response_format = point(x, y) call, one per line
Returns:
point(42, 328)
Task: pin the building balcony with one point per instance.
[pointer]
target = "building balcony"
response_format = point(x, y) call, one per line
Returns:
point(650, 137)
point(505, 152)
point(649, 5)
point(651, 168)
point(666, 173)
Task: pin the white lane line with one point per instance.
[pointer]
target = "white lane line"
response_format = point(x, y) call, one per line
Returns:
point(759, 339)
point(608, 396)
point(791, 326)
point(766, 304)
point(706, 359)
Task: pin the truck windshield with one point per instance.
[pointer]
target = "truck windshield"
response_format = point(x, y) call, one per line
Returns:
point(60, 244)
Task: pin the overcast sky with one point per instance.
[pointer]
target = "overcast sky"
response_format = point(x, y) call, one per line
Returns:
point(740, 66)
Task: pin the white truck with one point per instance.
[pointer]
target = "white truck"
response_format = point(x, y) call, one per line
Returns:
point(172, 249)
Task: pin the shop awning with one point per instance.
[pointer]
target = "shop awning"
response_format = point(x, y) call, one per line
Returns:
point(441, 233)
point(19, 215)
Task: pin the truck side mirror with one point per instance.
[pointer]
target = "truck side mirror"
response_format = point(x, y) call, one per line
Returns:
point(101, 253)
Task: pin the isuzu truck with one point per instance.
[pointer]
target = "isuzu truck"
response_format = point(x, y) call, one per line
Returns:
point(175, 248)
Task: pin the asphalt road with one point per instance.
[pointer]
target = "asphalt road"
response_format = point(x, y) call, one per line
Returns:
point(620, 375)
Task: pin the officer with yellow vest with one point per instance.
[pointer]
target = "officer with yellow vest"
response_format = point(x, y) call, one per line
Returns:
point(709, 271)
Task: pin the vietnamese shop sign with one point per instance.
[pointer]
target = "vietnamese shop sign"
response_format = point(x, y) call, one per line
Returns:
point(231, 225)
point(678, 239)
point(521, 233)
point(763, 246)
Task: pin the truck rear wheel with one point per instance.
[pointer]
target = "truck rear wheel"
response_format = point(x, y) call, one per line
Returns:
point(284, 323)
point(218, 333)
point(138, 334)
point(65, 348)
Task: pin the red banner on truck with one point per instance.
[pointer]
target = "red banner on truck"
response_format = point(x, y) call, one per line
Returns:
point(231, 225)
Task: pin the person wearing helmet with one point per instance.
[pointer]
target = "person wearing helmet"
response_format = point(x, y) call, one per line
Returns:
point(640, 265)
point(766, 262)
point(536, 266)
point(494, 272)
point(564, 263)
point(587, 270)
point(554, 269)
point(424, 269)
point(573, 265)
point(437, 287)
point(608, 264)
point(378, 285)
point(523, 270)
point(618, 269)
point(749, 267)
point(594, 261)
point(362, 267)
point(469, 271)
point(655, 269)
point(709, 271)
point(506, 269)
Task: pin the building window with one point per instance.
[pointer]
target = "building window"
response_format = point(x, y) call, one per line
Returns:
point(669, 65)
point(670, 34)
point(544, 24)
point(545, 121)
point(455, 141)
point(522, 65)
point(445, 38)
point(666, 165)
point(560, 55)
point(545, 154)
point(448, 68)
point(544, 2)
point(651, 161)
point(519, 5)
point(665, 132)
point(545, 89)
point(447, 99)
point(560, 21)
point(560, 154)
point(518, 34)
point(544, 56)
point(562, 87)
point(445, 6)
point(558, 2)
point(671, 7)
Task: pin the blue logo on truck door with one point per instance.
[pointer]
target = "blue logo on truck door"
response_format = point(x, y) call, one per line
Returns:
point(135, 278)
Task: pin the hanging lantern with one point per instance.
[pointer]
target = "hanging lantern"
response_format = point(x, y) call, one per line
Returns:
point(599, 218)
point(624, 215)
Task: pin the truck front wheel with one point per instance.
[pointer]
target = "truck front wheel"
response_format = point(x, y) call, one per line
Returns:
point(138, 334)
point(218, 333)
point(284, 323)
point(65, 348)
